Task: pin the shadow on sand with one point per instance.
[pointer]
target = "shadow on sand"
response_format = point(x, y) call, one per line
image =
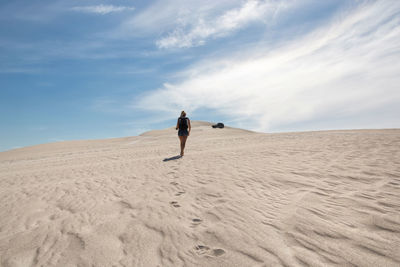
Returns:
point(172, 158)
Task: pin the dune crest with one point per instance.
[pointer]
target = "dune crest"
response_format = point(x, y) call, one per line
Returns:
point(237, 198)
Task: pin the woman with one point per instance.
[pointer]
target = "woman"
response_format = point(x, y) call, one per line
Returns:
point(183, 124)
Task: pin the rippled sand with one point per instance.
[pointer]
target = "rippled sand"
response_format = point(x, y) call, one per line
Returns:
point(237, 198)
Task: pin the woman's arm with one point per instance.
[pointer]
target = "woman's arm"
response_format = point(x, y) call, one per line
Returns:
point(177, 125)
point(190, 127)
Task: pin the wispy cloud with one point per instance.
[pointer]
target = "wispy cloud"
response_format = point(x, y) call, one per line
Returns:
point(162, 15)
point(206, 26)
point(101, 9)
point(348, 68)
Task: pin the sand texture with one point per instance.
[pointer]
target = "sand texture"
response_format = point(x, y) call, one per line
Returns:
point(237, 198)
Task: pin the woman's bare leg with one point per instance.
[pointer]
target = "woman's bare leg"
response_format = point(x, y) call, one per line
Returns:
point(182, 145)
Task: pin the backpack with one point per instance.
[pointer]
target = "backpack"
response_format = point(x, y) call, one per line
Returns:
point(183, 123)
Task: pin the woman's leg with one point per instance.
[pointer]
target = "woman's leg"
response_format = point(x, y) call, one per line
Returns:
point(182, 145)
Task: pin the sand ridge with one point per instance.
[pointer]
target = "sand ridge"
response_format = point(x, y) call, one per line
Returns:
point(237, 198)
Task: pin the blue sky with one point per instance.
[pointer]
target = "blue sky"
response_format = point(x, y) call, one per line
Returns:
point(100, 69)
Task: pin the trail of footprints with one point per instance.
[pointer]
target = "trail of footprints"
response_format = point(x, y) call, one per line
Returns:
point(201, 250)
point(175, 203)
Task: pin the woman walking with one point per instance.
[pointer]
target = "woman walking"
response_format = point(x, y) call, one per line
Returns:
point(183, 124)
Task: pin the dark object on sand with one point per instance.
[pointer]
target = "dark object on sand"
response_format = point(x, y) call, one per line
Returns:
point(218, 125)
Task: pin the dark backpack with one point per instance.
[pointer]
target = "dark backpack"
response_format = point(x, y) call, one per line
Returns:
point(183, 123)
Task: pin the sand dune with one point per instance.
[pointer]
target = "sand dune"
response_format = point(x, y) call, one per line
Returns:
point(237, 198)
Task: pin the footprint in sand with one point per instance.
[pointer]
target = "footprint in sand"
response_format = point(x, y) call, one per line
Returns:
point(196, 222)
point(174, 183)
point(175, 204)
point(207, 251)
point(217, 252)
point(180, 193)
point(200, 249)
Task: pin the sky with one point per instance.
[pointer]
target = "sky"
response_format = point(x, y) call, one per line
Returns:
point(83, 69)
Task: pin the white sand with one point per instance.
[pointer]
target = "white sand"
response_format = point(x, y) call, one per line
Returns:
point(237, 198)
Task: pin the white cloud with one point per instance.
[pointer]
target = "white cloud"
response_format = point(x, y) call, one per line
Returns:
point(162, 15)
point(348, 69)
point(184, 23)
point(101, 9)
point(195, 33)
